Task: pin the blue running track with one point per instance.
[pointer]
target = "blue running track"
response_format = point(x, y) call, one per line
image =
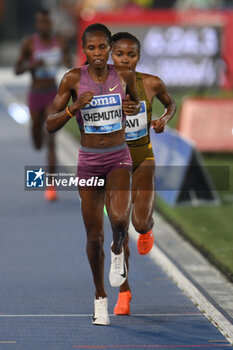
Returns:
point(46, 288)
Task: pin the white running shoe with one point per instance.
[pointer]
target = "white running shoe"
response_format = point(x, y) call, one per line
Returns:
point(100, 316)
point(118, 270)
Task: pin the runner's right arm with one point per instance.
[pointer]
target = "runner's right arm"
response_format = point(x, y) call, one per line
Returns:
point(24, 62)
point(59, 115)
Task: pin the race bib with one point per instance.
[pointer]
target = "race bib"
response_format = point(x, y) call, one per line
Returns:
point(103, 115)
point(136, 125)
point(52, 59)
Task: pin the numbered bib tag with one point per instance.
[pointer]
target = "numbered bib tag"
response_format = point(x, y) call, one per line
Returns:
point(52, 59)
point(136, 125)
point(103, 115)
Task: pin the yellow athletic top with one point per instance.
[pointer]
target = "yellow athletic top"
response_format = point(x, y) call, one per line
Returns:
point(138, 126)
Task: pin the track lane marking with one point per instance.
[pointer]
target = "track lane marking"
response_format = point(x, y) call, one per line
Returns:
point(183, 283)
point(90, 315)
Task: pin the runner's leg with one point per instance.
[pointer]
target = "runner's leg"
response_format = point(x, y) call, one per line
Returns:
point(143, 196)
point(37, 128)
point(143, 205)
point(92, 204)
point(118, 204)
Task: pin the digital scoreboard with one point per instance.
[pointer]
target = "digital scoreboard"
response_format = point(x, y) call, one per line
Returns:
point(186, 49)
point(181, 56)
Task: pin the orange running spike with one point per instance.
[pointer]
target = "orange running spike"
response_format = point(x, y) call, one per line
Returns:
point(50, 194)
point(123, 303)
point(145, 242)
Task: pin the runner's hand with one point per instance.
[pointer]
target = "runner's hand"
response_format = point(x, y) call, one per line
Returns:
point(129, 107)
point(36, 64)
point(85, 98)
point(158, 125)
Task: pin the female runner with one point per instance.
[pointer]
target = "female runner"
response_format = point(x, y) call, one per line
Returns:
point(126, 53)
point(97, 90)
point(41, 54)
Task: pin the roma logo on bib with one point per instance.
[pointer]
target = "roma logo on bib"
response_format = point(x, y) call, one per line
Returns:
point(103, 115)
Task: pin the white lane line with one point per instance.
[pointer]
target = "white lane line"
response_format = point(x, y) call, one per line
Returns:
point(89, 315)
point(215, 316)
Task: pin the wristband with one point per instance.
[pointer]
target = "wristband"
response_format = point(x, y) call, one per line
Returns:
point(68, 112)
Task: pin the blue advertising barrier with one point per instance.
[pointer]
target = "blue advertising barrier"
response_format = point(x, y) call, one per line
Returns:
point(181, 176)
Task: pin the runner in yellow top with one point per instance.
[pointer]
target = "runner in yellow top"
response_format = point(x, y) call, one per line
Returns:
point(126, 52)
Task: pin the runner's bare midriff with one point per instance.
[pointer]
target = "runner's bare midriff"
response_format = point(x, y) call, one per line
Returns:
point(103, 141)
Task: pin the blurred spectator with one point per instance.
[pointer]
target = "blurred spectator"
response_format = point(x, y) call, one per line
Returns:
point(86, 9)
point(136, 5)
point(64, 18)
point(144, 3)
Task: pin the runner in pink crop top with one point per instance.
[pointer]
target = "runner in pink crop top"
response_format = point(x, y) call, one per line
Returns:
point(50, 54)
point(104, 114)
point(41, 54)
point(97, 92)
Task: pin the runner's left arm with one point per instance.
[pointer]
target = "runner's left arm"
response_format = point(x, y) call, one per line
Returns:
point(169, 104)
